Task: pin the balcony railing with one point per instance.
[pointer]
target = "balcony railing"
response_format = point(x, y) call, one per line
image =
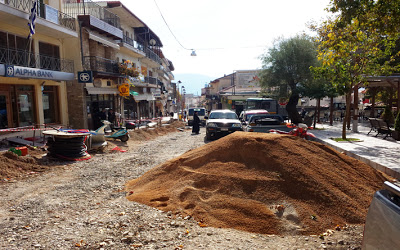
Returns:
point(87, 7)
point(153, 56)
point(151, 80)
point(100, 64)
point(28, 59)
point(133, 43)
point(62, 19)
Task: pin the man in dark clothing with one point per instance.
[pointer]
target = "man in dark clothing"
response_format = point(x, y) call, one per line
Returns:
point(196, 124)
point(111, 118)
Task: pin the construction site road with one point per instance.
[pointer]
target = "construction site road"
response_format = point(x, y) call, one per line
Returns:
point(84, 205)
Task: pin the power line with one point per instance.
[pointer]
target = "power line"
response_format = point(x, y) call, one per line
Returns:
point(169, 27)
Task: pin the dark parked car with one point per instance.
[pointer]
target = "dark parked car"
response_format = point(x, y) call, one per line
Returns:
point(264, 122)
point(222, 122)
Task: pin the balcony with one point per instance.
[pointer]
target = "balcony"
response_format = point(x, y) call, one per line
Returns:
point(49, 17)
point(94, 16)
point(151, 59)
point(134, 47)
point(28, 59)
point(151, 80)
point(101, 66)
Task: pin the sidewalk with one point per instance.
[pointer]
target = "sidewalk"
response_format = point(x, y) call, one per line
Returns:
point(381, 154)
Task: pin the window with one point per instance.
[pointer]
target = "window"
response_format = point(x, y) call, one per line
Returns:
point(25, 105)
point(49, 56)
point(50, 104)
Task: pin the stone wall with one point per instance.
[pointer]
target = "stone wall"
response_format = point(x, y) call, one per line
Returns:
point(77, 112)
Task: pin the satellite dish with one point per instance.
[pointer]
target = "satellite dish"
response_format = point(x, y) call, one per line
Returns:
point(152, 42)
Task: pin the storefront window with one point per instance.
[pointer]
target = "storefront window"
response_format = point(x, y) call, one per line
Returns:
point(25, 105)
point(3, 111)
point(50, 104)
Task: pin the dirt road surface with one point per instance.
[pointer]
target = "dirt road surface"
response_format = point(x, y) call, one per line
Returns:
point(83, 205)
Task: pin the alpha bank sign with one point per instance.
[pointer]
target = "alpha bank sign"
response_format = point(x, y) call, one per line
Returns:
point(24, 72)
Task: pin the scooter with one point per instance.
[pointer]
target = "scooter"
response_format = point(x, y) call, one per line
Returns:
point(300, 131)
point(120, 133)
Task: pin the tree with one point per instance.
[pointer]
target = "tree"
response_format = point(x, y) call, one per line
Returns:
point(286, 65)
point(351, 51)
point(318, 89)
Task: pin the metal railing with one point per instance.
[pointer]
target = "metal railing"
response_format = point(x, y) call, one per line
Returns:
point(101, 64)
point(87, 7)
point(133, 43)
point(26, 5)
point(28, 59)
point(153, 56)
point(151, 80)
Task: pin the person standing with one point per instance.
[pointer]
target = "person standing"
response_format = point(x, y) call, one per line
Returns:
point(196, 124)
point(111, 118)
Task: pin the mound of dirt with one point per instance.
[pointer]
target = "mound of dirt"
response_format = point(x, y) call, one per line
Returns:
point(262, 183)
point(13, 166)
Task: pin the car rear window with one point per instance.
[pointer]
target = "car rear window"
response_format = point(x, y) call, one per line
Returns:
point(200, 112)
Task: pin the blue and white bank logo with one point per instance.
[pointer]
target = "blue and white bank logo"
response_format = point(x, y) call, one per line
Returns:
point(10, 71)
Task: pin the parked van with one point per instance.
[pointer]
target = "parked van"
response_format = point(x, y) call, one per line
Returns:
point(201, 112)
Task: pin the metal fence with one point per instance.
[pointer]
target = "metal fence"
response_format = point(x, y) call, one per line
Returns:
point(133, 43)
point(87, 7)
point(153, 56)
point(63, 19)
point(28, 59)
point(101, 64)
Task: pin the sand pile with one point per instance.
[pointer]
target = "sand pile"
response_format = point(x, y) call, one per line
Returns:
point(262, 183)
point(13, 166)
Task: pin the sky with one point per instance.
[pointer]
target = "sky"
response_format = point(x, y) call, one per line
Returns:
point(227, 35)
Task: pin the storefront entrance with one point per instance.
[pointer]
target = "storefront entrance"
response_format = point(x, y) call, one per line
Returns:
point(5, 110)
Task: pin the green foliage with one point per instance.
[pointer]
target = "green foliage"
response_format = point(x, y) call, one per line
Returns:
point(286, 66)
point(287, 63)
point(397, 122)
point(387, 115)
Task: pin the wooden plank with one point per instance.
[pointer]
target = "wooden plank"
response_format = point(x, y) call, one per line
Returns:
point(23, 142)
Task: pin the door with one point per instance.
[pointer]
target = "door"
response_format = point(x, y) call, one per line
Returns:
point(5, 112)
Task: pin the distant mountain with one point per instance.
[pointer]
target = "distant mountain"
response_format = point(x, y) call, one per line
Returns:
point(193, 82)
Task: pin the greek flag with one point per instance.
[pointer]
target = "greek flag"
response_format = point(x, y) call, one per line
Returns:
point(32, 19)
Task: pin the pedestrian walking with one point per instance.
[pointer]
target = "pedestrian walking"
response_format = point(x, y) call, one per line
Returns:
point(196, 124)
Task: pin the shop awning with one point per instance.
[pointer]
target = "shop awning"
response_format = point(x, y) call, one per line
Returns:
point(101, 91)
point(133, 93)
point(144, 97)
point(99, 39)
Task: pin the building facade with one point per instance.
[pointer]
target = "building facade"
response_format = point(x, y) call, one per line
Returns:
point(34, 71)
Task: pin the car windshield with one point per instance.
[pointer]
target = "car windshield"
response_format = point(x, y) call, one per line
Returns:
point(223, 115)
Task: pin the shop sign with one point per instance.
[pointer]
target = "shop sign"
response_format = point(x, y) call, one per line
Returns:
point(124, 89)
point(51, 14)
point(85, 76)
point(25, 72)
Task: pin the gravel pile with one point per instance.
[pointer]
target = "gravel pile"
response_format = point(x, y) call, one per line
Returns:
point(84, 205)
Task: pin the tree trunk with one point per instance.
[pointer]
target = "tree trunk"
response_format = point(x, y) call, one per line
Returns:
point(318, 111)
point(315, 115)
point(331, 112)
point(293, 114)
point(347, 115)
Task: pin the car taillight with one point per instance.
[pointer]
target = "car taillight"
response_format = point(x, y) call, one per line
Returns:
point(251, 130)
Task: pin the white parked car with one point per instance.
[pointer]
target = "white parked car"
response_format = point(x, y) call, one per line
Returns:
point(222, 122)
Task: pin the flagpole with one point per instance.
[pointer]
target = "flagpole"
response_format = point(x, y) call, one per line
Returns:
point(31, 25)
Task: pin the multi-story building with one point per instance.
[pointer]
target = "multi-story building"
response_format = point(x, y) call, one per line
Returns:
point(140, 48)
point(76, 64)
point(231, 91)
point(34, 72)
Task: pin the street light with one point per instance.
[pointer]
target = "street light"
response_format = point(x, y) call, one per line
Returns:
point(183, 99)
